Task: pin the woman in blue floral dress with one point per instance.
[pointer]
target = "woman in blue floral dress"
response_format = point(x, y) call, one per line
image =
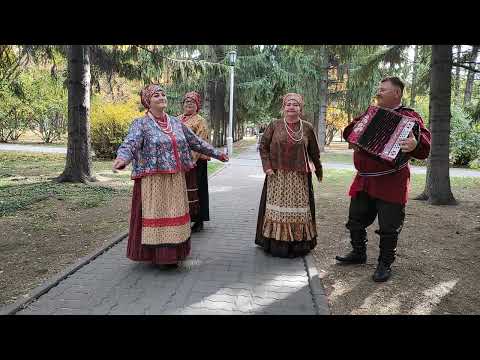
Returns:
point(159, 147)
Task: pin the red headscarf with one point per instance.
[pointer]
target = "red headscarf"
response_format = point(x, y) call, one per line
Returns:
point(147, 93)
point(193, 95)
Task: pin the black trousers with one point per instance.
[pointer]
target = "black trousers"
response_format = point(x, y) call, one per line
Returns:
point(362, 213)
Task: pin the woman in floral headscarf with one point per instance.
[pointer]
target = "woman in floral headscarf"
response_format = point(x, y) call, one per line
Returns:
point(290, 153)
point(159, 147)
point(196, 178)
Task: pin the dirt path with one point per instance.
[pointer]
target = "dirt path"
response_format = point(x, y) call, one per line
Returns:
point(437, 269)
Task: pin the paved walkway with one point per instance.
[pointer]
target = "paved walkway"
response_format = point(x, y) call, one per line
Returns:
point(33, 148)
point(454, 172)
point(226, 272)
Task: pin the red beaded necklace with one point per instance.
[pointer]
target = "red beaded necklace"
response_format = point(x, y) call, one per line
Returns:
point(164, 123)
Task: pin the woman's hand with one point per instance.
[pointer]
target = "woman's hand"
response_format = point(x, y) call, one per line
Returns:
point(223, 157)
point(269, 172)
point(118, 164)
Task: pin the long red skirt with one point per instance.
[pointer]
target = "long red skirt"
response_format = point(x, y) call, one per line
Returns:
point(157, 254)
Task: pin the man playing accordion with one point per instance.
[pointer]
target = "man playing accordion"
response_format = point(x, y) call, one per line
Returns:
point(379, 188)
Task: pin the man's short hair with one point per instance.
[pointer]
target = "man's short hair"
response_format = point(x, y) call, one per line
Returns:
point(395, 81)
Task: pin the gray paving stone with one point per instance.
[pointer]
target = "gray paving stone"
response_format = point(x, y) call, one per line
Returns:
point(226, 272)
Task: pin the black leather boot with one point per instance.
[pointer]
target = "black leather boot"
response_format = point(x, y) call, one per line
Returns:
point(388, 248)
point(382, 272)
point(197, 226)
point(358, 255)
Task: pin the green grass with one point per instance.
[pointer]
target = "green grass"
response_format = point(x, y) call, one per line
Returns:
point(212, 167)
point(457, 183)
point(336, 158)
point(27, 178)
point(30, 164)
point(330, 157)
point(41, 144)
point(18, 197)
point(334, 178)
point(242, 145)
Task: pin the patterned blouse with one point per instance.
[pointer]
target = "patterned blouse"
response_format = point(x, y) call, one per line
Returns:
point(152, 151)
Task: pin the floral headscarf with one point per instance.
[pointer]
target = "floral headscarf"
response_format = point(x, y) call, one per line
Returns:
point(193, 95)
point(293, 96)
point(147, 93)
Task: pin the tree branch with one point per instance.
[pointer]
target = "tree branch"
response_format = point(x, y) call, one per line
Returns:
point(179, 60)
point(466, 67)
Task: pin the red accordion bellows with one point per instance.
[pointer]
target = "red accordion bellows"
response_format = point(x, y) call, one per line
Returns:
point(379, 133)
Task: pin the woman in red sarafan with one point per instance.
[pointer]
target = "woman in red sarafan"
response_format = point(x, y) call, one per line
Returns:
point(197, 178)
point(159, 147)
point(290, 153)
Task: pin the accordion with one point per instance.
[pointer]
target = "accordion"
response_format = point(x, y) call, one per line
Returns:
point(379, 132)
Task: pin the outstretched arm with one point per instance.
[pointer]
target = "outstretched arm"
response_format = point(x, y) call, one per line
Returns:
point(201, 146)
point(133, 141)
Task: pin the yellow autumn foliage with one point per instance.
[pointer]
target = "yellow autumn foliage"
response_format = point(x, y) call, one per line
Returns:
point(336, 118)
point(109, 123)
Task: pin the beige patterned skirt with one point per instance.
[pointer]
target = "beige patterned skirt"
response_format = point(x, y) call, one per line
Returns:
point(287, 212)
point(165, 211)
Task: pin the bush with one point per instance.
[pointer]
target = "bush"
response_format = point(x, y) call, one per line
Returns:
point(109, 126)
point(474, 164)
point(464, 138)
point(14, 116)
point(48, 101)
point(421, 107)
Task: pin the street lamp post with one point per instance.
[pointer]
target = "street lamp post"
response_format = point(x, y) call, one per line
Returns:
point(232, 58)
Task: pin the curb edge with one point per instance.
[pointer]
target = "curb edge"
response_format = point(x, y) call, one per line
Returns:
point(319, 296)
point(43, 288)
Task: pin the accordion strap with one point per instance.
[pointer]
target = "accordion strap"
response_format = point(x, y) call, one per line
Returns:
point(386, 172)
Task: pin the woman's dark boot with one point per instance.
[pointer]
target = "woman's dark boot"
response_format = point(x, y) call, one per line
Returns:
point(358, 255)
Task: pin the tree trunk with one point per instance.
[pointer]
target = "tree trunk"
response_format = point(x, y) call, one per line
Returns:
point(437, 187)
point(470, 77)
point(207, 110)
point(79, 159)
point(323, 96)
point(413, 92)
point(219, 113)
point(457, 75)
point(426, 191)
point(329, 137)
